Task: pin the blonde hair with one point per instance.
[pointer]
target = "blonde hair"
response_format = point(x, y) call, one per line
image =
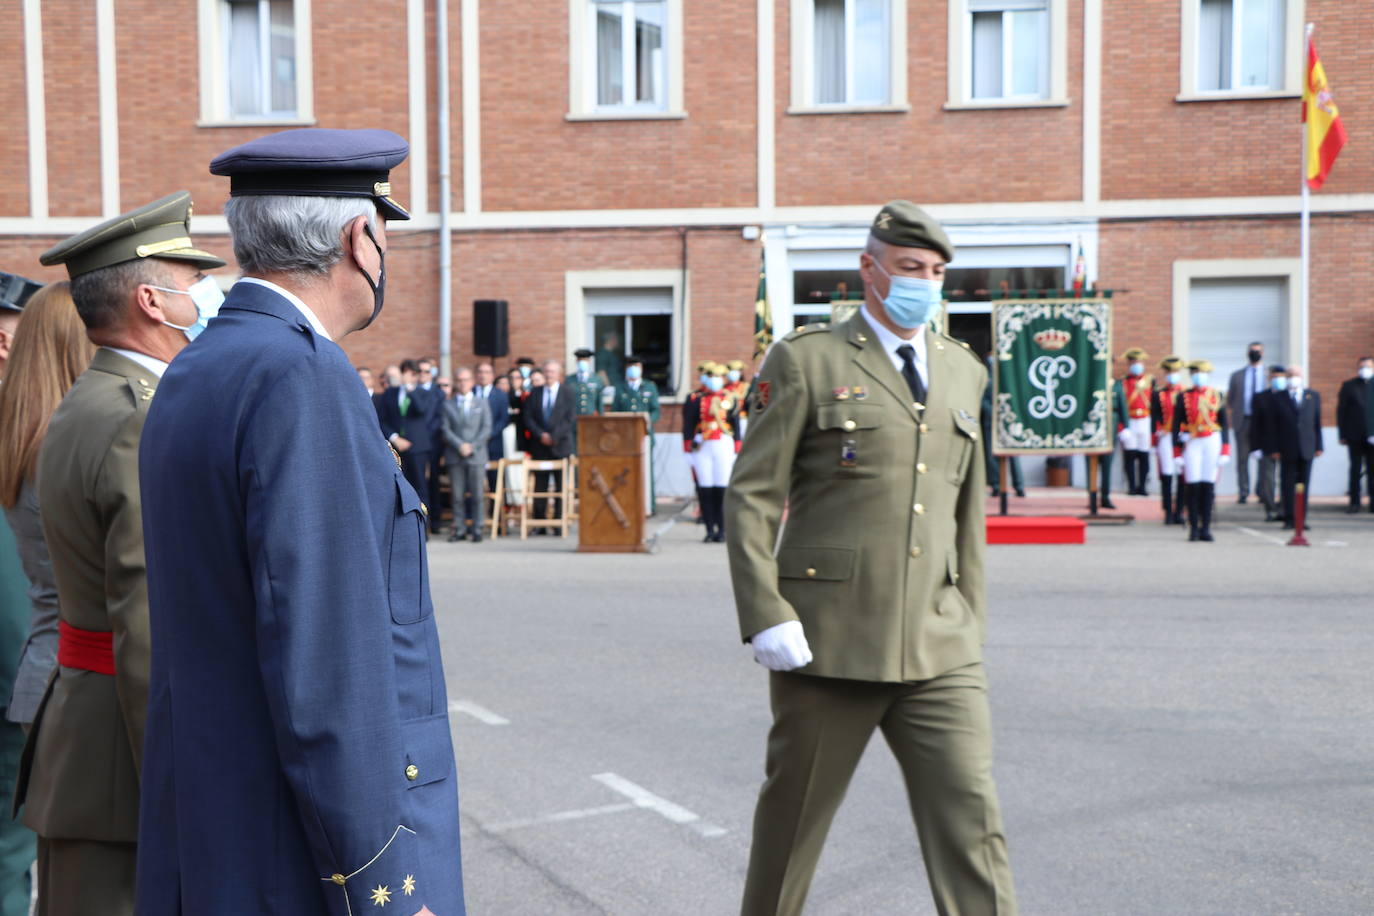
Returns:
point(50, 350)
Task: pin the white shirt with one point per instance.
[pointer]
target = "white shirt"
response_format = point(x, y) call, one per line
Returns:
point(890, 342)
point(155, 366)
point(294, 300)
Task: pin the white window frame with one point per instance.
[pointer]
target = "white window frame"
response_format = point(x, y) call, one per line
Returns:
point(804, 63)
point(582, 105)
point(214, 88)
point(577, 319)
point(1287, 269)
point(960, 78)
point(1293, 59)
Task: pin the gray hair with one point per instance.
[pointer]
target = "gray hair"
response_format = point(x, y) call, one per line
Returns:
point(102, 296)
point(292, 235)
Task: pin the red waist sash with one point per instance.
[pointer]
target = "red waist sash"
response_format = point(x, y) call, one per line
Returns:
point(89, 650)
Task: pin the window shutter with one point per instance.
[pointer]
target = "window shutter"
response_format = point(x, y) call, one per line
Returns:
point(1224, 315)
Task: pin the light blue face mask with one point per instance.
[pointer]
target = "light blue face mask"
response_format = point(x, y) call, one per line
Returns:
point(734, 375)
point(911, 301)
point(1174, 378)
point(1200, 379)
point(634, 373)
point(715, 383)
point(704, 379)
point(583, 367)
point(1279, 383)
point(524, 371)
point(207, 296)
point(1137, 368)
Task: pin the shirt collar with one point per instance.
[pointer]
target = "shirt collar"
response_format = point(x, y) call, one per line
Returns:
point(155, 366)
point(890, 342)
point(294, 300)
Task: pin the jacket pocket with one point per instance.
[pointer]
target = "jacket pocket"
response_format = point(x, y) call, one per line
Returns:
point(408, 568)
point(428, 750)
point(824, 564)
point(851, 431)
point(965, 444)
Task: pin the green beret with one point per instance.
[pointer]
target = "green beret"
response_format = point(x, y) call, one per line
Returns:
point(161, 229)
point(902, 223)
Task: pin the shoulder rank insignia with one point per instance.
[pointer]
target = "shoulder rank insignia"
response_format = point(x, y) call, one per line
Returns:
point(394, 454)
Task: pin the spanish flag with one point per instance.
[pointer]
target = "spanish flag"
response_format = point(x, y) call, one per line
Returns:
point(1325, 133)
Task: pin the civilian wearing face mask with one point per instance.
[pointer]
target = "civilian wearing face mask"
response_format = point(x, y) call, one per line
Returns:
point(1163, 400)
point(1263, 416)
point(1137, 391)
point(1294, 439)
point(1201, 447)
point(1354, 407)
point(1245, 384)
point(715, 444)
point(637, 394)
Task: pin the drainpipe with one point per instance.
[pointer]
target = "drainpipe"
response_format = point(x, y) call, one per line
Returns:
point(445, 194)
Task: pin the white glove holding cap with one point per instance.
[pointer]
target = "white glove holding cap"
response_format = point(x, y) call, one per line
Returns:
point(782, 647)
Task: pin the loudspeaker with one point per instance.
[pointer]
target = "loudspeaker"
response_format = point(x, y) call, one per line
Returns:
point(489, 327)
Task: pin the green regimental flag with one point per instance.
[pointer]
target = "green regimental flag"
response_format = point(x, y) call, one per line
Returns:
point(1051, 384)
point(763, 314)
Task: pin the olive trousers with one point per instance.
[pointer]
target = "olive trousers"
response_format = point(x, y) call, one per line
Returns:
point(940, 732)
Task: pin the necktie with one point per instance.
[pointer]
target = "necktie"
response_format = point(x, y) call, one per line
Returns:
point(913, 378)
point(405, 402)
point(548, 401)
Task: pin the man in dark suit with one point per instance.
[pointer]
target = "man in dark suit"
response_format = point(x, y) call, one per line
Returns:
point(1294, 439)
point(405, 413)
point(428, 379)
point(1240, 395)
point(498, 404)
point(1352, 408)
point(550, 412)
point(1263, 416)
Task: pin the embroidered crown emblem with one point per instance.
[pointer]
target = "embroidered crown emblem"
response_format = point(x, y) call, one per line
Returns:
point(1052, 339)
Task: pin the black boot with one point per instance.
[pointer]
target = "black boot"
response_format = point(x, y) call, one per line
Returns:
point(1206, 500)
point(1192, 489)
point(1128, 463)
point(1166, 497)
point(1143, 475)
point(720, 514)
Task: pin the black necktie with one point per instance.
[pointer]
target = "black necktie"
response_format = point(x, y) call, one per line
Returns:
point(913, 378)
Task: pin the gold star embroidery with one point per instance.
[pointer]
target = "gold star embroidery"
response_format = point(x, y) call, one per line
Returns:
point(381, 895)
point(408, 885)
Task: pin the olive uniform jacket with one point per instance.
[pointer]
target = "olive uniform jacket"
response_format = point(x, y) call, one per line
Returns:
point(881, 558)
point(80, 770)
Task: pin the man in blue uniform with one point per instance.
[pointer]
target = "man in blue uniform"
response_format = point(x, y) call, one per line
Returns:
point(298, 756)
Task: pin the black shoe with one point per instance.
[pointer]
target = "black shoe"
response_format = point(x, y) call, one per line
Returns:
point(1205, 536)
point(1021, 493)
point(476, 539)
point(1192, 534)
point(1352, 510)
point(1107, 504)
point(1241, 501)
point(455, 538)
point(996, 492)
point(1288, 526)
point(1272, 516)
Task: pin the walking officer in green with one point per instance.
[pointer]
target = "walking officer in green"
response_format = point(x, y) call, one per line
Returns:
point(637, 394)
point(870, 611)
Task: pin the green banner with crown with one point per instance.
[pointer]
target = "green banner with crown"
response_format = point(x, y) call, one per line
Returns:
point(1051, 376)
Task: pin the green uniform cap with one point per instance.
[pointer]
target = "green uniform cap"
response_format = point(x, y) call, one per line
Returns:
point(160, 229)
point(902, 223)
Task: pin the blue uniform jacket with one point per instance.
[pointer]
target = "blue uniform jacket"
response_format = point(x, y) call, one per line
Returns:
point(499, 402)
point(297, 755)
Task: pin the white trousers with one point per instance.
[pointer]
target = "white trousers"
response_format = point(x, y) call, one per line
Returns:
point(1201, 459)
point(715, 461)
point(1164, 451)
point(1136, 436)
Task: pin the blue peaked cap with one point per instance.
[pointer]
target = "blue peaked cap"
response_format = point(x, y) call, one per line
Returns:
point(317, 162)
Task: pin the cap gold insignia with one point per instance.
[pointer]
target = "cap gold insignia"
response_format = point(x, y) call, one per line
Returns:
point(381, 189)
point(155, 248)
point(884, 220)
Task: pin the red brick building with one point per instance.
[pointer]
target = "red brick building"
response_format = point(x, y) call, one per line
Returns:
point(612, 163)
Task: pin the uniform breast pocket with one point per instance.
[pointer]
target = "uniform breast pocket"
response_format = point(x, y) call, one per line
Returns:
point(965, 446)
point(851, 431)
point(408, 569)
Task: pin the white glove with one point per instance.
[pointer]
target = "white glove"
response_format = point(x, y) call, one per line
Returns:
point(1371, 440)
point(781, 648)
point(1123, 436)
point(1223, 461)
point(1178, 465)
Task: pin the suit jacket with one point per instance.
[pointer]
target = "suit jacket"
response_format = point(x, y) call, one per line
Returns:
point(1235, 399)
point(1293, 430)
point(298, 733)
point(436, 416)
point(558, 423)
point(415, 426)
point(80, 773)
point(471, 427)
point(881, 558)
point(498, 403)
point(1352, 407)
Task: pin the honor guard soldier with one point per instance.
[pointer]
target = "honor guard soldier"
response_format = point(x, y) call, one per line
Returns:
point(870, 610)
point(691, 415)
point(137, 284)
point(715, 444)
point(738, 386)
point(1137, 390)
point(1162, 402)
point(298, 757)
point(637, 394)
point(1201, 446)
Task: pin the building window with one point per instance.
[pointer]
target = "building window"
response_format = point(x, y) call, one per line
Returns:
point(626, 58)
point(255, 61)
point(637, 322)
point(1008, 53)
point(1240, 45)
point(848, 54)
point(1009, 49)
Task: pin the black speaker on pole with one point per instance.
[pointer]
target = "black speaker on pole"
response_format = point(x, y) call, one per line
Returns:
point(489, 327)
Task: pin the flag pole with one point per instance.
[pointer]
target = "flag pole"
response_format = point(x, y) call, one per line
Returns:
point(1304, 342)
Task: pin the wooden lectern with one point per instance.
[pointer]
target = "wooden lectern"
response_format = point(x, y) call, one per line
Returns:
point(610, 488)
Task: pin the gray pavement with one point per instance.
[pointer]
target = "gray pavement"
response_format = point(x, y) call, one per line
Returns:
point(1181, 728)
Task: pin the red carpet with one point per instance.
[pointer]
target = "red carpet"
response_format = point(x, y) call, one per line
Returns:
point(1035, 529)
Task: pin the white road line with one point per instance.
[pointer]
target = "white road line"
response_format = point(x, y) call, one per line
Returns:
point(1261, 535)
point(480, 713)
point(576, 814)
point(1337, 544)
point(643, 798)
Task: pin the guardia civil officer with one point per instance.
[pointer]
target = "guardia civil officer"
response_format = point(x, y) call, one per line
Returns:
point(870, 612)
point(637, 394)
point(1202, 446)
point(137, 284)
point(298, 757)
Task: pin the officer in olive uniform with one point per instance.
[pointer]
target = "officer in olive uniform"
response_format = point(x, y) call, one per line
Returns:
point(137, 283)
point(637, 394)
point(870, 612)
